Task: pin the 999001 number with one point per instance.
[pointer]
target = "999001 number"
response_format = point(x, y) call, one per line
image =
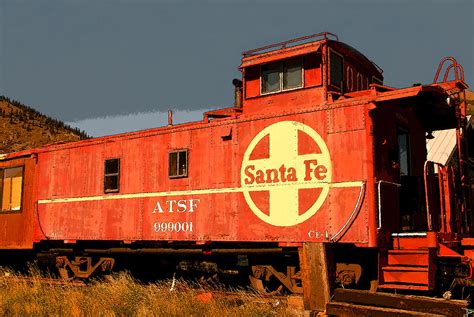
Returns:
point(173, 227)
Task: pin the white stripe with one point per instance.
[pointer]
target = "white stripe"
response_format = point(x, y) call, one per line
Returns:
point(409, 234)
point(347, 184)
point(197, 192)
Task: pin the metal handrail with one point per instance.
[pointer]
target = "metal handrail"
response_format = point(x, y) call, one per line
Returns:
point(427, 198)
point(458, 70)
point(379, 198)
point(285, 43)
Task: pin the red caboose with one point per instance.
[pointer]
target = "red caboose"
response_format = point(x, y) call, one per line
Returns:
point(317, 163)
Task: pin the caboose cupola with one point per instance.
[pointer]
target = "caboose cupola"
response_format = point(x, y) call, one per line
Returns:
point(306, 69)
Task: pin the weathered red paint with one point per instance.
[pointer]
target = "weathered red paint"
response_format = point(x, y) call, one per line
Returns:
point(343, 139)
point(18, 226)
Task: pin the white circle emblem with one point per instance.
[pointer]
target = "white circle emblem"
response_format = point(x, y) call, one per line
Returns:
point(285, 172)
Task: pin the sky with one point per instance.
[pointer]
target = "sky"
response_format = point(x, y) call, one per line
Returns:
point(109, 66)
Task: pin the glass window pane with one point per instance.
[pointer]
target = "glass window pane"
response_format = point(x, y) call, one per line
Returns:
point(336, 69)
point(112, 175)
point(271, 77)
point(173, 164)
point(6, 195)
point(112, 166)
point(11, 187)
point(404, 155)
point(183, 164)
point(14, 172)
point(111, 183)
point(293, 74)
point(17, 186)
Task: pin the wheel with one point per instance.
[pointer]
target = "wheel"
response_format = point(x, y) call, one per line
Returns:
point(264, 282)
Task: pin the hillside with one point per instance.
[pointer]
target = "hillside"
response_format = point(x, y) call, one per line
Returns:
point(470, 102)
point(22, 127)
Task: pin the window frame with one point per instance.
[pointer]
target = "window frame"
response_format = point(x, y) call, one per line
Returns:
point(111, 191)
point(341, 85)
point(403, 131)
point(349, 79)
point(177, 152)
point(280, 77)
point(360, 82)
point(2, 212)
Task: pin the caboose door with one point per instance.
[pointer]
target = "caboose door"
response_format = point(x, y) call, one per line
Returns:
point(412, 203)
point(400, 149)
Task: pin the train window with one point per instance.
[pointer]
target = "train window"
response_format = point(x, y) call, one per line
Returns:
point(178, 164)
point(111, 175)
point(292, 73)
point(360, 82)
point(271, 77)
point(349, 79)
point(404, 152)
point(11, 187)
point(282, 75)
point(337, 69)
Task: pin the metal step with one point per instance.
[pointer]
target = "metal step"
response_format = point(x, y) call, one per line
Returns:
point(407, 257)
point(411, 275)
point(402, 268)
point(414, 240)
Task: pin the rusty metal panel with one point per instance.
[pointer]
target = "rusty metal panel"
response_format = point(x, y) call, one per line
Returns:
point(17, 227)
point(264, 179)
point(313, 75)
point(252, 81)
point(343, 119)
point(286, 102)
point(91, 220)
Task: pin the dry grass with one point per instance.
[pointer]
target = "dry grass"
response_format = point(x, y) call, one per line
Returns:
point(121, 295)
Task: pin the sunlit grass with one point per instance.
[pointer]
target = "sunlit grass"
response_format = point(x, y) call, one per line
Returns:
point(121, 295)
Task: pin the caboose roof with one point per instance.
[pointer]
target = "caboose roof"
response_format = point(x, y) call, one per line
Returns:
point(14, 155)
point(349, 51)
point(262, 58)
point(431, 103)
point(442, 147)
point(288, 49)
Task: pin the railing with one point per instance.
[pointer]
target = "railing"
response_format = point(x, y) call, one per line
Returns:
point(379, 199)
point(458, 70)
point(428, 167)
point(280, 45)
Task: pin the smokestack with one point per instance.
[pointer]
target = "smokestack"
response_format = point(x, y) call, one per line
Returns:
point(237, 93)
point(170, 118)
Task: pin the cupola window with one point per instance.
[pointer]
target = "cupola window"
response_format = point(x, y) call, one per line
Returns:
point(337, 69)
point(282, 75)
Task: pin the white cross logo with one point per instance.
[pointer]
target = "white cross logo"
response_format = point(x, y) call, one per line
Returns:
point(284, 195)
